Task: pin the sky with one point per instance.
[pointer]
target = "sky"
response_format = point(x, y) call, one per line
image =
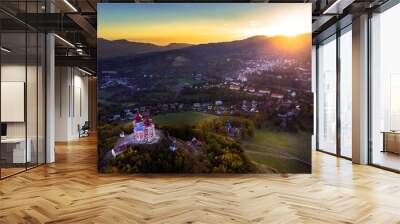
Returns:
point(199, 23)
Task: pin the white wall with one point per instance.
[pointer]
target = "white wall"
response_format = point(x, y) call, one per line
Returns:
point(9, 73)
point(81, 104)
point(71, 102)
point(16, 72)
point(33, 127)
point(62, 82)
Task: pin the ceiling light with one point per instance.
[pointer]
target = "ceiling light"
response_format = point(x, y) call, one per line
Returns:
point(334, 5)
point(64, 40)
point(70, 5)
point(79, 51)
point(5, 50)
point(84, 71)
point(338, 6)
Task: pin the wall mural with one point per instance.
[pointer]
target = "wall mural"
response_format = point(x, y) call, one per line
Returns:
point(204, 88)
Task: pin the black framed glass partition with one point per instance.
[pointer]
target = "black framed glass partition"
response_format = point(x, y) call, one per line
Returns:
point(22, 77)
point(326, 117)
point(334, 94)
point(385, 89)
point(345, 93)
point(14, 153)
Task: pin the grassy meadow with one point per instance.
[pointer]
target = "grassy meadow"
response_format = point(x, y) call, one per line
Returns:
point(283, 152)
point(182, 118)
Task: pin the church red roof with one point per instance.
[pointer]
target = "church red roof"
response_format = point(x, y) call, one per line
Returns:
point(138, 117)
point(146, 121)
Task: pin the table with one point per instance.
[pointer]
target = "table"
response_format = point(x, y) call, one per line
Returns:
point(391, 141)
point(16, 147)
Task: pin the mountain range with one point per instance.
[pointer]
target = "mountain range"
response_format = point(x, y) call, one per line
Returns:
point(120, 48)
point(221, 59)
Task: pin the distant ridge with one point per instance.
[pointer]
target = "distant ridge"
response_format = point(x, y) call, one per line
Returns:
point(224, 57)
point(118, 48)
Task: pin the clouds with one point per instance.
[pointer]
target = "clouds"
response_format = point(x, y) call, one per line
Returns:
point(196, 23)
point(253, 23)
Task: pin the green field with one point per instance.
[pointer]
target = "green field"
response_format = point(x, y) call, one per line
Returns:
point(188, 81)
point(282, 151)
point(182, 118)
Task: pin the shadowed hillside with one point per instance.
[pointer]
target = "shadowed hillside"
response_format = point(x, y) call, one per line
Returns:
point(216, 59)
point(118, 48)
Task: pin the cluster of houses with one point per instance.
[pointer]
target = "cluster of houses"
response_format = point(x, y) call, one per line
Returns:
point(281, 104)
point(109, 81)
point(237, 85)
point(285, 104)
point(256, 66)
point(287, 113)
point(252, 91)
point(249, 106)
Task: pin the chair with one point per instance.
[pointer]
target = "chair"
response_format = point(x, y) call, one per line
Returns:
point(84, 130)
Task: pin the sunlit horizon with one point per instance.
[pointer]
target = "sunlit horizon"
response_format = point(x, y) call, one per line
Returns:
point(163, 45)
point(201, 23)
